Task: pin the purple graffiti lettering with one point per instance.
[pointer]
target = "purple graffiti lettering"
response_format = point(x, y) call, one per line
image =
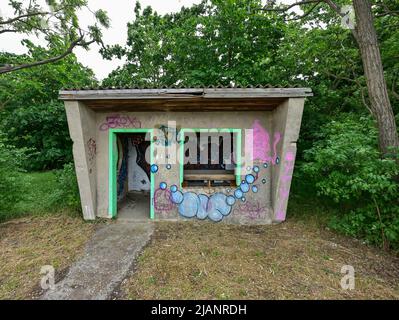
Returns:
point(162, 202)
point(252, 210)
point(120, 121)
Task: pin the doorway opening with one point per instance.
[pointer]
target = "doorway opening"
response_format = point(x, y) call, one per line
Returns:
point(131, 183)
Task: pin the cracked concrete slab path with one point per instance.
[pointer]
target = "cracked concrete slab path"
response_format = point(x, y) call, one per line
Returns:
point(106, 261)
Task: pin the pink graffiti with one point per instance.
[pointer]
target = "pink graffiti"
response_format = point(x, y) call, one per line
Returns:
point(261, 144)
point(120, 121)
point(252, 210)
point(288, 167)
point(162, 202)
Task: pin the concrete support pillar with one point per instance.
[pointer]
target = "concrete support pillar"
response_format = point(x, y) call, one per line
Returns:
point(82, 129)
point(286, 123)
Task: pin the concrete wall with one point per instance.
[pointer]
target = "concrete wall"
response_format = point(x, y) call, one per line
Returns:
point(82, 129)
point(263, 200)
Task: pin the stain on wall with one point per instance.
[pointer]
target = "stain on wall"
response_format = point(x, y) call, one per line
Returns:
point(91, 153)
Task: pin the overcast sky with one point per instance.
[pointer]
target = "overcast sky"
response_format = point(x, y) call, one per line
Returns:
point(119, 11)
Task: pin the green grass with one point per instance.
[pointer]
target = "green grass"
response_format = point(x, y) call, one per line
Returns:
point(36, 194)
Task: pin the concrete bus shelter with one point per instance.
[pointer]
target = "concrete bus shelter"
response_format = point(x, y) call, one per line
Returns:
point(114, 131)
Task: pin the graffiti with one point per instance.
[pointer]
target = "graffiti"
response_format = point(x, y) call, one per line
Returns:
point(168, 135)
point(138, 169)
point(284, 189)
point(202, 206)
point(162, 200)
point(261, 144)
point(123, 165)
point(214, 207)
point(120, 121)
point(252, 210)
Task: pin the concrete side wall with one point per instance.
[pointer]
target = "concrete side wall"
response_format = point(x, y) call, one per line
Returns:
point(82, 129)
point(286, 124)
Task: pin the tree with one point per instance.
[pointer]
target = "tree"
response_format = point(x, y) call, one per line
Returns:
point(215, 42)
point(366, 37)
point(57, 23)
point(31, 115)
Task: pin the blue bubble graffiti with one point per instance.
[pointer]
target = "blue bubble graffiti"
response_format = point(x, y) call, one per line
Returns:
point(244, 187)
point(214, 207)
point(176, 197)
point(230, 200)
point(249, 178)
point(201, 206)
point(154, 168)
point(238, 193)
point(163, 185)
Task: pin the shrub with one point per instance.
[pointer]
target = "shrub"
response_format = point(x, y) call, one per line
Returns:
point(345, 166)
point(66, 196)
point(11, 187)
point(44, 130)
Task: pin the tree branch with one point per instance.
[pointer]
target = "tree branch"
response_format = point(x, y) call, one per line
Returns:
point(386, 10)
point(7, 30)
point(335, 7)
point(27, 15)
point(288, 7)
point(73, 44)
point(305, 14)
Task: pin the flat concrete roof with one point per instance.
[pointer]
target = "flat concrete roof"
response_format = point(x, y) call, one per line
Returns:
point(184, 99)
point(172, 93)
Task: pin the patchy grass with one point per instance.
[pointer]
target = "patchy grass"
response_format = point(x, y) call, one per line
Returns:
point(35, 196)
point(292, 260)
point(27, 244)
point(39, 187)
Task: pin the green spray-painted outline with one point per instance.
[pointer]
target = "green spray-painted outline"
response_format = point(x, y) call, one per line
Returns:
point(112, 158)
point(238, 152)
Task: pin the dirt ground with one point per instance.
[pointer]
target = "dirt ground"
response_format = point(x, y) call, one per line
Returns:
point(293, 260)
point(27, 244)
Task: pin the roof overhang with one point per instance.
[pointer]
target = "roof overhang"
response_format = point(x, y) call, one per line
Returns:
point(184, 99)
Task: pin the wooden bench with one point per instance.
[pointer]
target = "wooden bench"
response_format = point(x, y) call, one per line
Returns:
point(209, 176)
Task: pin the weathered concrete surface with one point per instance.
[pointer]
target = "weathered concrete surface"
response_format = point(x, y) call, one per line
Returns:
point(106, 262)
point(82, 129)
